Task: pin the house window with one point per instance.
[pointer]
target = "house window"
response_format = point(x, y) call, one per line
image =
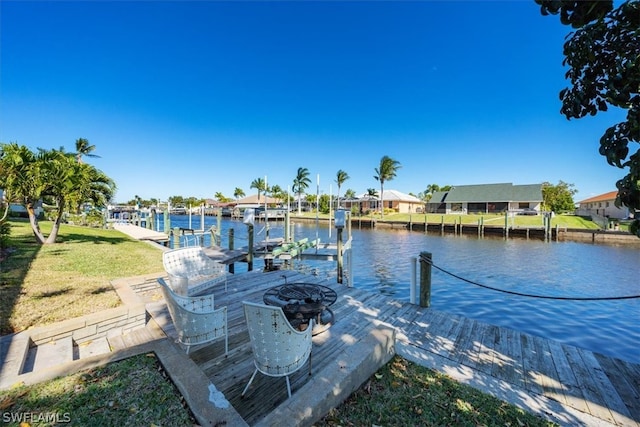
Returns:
point(600, 204)
point(524, 205)
point(390, 204)
point(607, 205)
point(456, 207)
point(498, 207)
point(477, 207)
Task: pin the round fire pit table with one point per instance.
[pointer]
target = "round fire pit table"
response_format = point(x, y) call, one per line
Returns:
point(302, 302)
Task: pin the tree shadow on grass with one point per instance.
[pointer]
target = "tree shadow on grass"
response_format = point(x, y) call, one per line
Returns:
point(101, 290)
point(55, 293)
point(98, 240)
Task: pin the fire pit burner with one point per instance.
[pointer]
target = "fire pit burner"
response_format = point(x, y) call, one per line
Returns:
point(308, 294)
point(302, 302)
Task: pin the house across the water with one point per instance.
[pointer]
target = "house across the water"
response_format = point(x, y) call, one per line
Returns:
point(603, 205)
point(393, 200)
point(488, 198)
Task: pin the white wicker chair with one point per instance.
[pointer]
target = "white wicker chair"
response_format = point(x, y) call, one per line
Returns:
point(278, 348)
point(195, 318)
point(192, 268)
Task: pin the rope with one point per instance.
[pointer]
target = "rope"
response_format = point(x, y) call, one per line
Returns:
point(531, 295)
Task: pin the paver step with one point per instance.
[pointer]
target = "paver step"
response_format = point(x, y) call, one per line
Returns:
point(49, 354)
point(91, 348)
point(13, 353)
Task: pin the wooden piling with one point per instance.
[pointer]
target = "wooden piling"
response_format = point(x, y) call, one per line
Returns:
point(176, 237)
point(425, 279)
point(232, 266)
point(506, 225)
point(250, 249)
point(340, 261)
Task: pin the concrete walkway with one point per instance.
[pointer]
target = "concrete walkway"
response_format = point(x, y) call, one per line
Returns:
point(140, 233)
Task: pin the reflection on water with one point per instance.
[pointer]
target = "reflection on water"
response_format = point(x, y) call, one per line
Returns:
point(382, 263)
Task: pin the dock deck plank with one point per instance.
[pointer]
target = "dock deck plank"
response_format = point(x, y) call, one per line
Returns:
point(603, 387)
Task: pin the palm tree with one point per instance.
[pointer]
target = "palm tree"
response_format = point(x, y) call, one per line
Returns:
point(52, 175)
point(259, 185)
point(372, 192)
point(341, 177)
point(278, 193)
point(238, 193)
point(301, 183)
point(350, 194)
point(385, 172)
point(83, 148)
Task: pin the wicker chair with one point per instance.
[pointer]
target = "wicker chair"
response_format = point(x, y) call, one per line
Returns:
point(278, 348)
point(195, 318)
point(191, 271)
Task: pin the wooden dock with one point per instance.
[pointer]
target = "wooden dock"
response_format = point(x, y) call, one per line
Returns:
point(566, 384)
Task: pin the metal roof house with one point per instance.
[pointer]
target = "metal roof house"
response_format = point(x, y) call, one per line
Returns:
point(488, 198)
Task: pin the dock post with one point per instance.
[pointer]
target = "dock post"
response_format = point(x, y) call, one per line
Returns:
point(250, 249)
point(412, 286)
point(442, 225)
point(506, 224)
point(425, 223)
point(340, 266)
point(152, 220)
point(232, 266)
point(287, 224)
point(425, 279)
point(176, 237)
point(219, 228)
point(167, 221)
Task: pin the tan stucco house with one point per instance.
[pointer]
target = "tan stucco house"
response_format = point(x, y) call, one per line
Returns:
point(393, 199)
point(603, 205)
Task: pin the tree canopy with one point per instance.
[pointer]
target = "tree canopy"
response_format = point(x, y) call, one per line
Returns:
point(558, 198)
point(260, 185)
point(54, 177)
point(385, 172)
point(341, 178)
point(603, 56)
point(300, 183)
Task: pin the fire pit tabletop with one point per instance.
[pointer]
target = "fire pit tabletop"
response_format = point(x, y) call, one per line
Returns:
point(302, 302)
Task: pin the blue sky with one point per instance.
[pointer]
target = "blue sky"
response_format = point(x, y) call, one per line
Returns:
point(195, 98)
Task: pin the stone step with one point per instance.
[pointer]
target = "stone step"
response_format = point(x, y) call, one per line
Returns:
point(91, 348)
point(13, 354)
point(49, 354)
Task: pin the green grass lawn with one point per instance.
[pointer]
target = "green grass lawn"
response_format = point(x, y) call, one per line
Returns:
point(562, 221)
point(41, 284)
point(130, 392)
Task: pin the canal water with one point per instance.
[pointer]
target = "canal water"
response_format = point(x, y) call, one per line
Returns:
point(556, 274)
